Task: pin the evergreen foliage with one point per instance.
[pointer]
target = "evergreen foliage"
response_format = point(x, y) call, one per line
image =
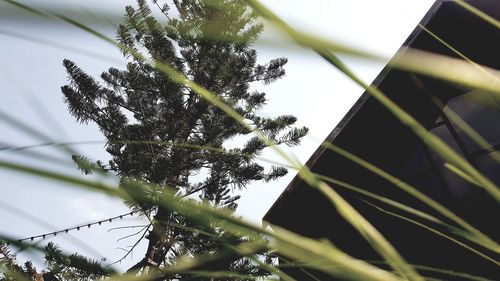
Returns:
point(152, 123)
point(59, 267)
point(73, 267)
point(10, 270)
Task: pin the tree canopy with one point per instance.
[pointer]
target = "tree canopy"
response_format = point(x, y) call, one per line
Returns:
point(164, 134)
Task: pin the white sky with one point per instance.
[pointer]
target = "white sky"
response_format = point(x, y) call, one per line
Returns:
point(31, 75)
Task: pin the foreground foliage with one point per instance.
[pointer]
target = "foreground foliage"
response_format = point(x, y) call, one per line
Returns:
point(209, 241)
point(152, 123)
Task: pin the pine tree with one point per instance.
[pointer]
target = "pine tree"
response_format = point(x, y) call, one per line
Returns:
point(72, 267)
point(11, 269)
point(59, 267)
point(152, 123)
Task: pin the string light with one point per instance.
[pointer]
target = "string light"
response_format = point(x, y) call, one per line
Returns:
point(67, 230)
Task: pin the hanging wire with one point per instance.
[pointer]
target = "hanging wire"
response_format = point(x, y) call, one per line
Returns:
point(67, 230)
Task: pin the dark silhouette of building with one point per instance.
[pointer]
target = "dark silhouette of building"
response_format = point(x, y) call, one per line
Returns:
point(372, 133)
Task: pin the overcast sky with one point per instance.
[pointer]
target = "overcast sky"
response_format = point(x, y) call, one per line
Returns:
point(31, 75)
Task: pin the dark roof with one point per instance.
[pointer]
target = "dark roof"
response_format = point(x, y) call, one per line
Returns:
point(452, 23)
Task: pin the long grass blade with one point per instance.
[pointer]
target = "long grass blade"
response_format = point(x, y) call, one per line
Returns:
point(413, 61)
point(380, 244)
point(352, 268)
point(478, 236)
point(437, 232)
point(482, 15)
point(344, 208)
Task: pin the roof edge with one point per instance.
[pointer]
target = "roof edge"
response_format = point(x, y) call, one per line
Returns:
point(355, 108)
